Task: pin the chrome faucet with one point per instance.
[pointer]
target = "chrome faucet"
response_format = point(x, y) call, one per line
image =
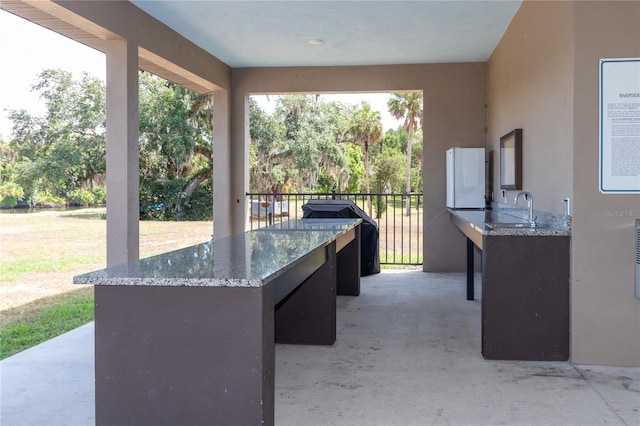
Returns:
point(529, 199)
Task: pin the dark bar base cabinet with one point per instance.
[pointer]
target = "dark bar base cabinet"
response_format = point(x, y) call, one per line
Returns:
point(188, 337)
point(525, 298)
point(525, 285)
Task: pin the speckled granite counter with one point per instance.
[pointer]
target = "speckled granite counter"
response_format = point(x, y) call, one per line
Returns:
point(251, 259)
point(188, 337)
point(525, 282)
point(478, 219)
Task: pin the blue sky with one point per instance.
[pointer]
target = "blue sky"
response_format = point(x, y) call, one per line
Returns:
point(26, 49)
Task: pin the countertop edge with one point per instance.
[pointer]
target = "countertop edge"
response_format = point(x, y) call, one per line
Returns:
point(114, 276)
point(167, 282)
point(508, 232)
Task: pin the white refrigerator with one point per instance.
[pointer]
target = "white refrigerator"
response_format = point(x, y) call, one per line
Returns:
point(466, 178)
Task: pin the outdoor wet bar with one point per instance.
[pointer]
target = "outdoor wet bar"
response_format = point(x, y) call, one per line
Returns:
point(525, 281)
point(187, 337)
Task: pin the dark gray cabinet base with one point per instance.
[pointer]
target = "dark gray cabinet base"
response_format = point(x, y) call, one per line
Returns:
point(206, 355)
point(525, 298)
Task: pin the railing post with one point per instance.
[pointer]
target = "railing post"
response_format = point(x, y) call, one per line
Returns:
point(250, 196)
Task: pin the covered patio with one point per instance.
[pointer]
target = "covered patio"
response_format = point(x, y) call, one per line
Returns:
point(408, 348)
point(407, 353)
point(484, 68)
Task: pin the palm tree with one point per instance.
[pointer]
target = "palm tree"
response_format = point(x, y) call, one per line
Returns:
point(417, 154)
point(407, 106)
point(366, 130)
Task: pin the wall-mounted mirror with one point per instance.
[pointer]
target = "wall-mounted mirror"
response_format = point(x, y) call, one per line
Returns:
point(511, 160)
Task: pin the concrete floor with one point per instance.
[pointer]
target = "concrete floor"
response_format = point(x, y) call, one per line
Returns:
point(408, 353)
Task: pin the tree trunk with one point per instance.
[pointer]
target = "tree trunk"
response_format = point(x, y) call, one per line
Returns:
point(366, 175)
point(408, 182)
point(418, 183)
point(188, 192)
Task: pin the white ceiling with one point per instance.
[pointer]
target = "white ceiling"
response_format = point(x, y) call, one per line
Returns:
point(269, 33)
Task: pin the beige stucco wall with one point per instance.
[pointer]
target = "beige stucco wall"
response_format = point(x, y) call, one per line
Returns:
point(543, 77)
point(605, 313)
point(529, 86)
point(454, 115)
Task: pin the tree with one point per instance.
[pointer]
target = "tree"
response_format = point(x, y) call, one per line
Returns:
point(299, 145)
point(201, 115)
point(333, 122)
point(355, 167)
point(312, 136)
point(64, 150)
point(366, 130)
point(268, 158)
point(407, 106)
point(7, 162)
point(417, 154)
point(387, 176)
point(175, 151)
point(301, 138)
point(393, 139)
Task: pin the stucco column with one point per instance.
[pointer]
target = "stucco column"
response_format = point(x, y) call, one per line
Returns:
point(239, 161)
point(222, 201)
point(123, 200)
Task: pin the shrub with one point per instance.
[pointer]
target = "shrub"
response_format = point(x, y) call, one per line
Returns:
point(8, 201)
point(48, 200)
point(82, 197)
point(100, 195)
point(10, 193)
point(167, 201)
point(379, 205)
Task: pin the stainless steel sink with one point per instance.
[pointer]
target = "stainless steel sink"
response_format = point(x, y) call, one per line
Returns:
point(524, 225)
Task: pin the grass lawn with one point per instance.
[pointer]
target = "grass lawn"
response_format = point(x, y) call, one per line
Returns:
point(41, 252)
point(43, 319)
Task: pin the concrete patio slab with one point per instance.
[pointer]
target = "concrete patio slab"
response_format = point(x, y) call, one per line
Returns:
point(407, 353)
point(50, 384)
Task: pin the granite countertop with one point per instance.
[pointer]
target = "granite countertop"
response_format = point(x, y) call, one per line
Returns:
point(478, 220)
point(328, 224)
point(250, 259)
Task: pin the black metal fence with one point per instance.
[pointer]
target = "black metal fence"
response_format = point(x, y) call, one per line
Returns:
point(400, 233)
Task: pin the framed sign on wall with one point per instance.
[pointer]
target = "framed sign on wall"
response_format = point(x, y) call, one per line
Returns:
point(620, 126)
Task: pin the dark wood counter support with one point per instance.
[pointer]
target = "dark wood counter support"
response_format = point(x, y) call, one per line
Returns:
point(470, 271)
point(307, 316)
point(349, 260)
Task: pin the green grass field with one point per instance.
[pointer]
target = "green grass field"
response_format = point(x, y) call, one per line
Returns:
point(41, 252)
point(43, 320)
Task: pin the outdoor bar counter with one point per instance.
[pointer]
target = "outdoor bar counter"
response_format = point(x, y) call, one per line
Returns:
point(187, 337)
point(525, 282)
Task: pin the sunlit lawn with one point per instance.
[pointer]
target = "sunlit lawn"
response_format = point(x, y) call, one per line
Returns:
point(41, 252)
